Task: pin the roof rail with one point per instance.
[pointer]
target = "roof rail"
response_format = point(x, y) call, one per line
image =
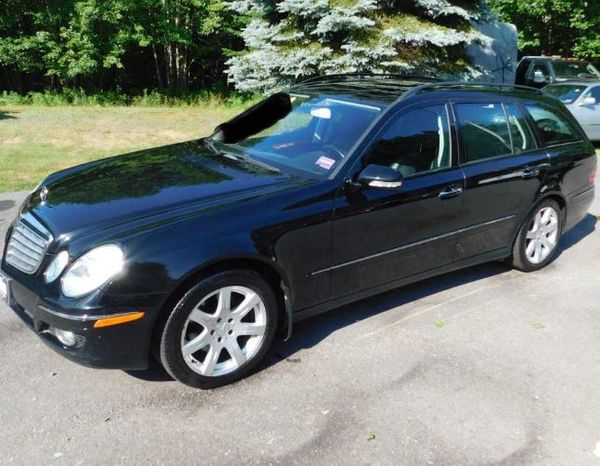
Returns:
point(454, 84)
point(340, 76)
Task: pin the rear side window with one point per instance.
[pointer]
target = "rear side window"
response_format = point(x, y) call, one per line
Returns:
point(595, 93)
point(543, 68)
point(553, 127)
point(484, 130)
point(520, 132)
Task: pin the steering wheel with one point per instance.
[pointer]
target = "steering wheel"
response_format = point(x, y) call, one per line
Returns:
point(337, 151)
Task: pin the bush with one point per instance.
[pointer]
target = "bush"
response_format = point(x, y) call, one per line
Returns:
point(77, 97)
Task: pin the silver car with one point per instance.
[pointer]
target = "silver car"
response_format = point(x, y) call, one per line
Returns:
point(582, 98)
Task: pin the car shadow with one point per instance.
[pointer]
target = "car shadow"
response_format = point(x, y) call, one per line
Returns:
point(311, 332)
point(580, 231)
point(155, 373)
point(7, 115)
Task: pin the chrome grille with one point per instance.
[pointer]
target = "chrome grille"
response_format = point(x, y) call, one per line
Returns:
point(28, 244)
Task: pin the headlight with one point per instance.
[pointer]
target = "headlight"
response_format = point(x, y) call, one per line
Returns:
point(56, 267)
point(92, 270)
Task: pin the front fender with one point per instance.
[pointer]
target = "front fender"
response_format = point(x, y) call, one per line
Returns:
point(160, 261)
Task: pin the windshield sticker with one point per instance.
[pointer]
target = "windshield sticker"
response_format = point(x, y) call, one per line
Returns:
point(325, 162)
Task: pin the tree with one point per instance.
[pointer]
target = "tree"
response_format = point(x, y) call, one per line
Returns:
point(554, 27)
point(186, 36)
point(98, 44)
point(289, 39)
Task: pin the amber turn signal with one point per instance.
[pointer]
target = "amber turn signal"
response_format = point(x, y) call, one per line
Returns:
point(117, 320)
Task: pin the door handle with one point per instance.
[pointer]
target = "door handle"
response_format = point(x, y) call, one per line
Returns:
point(530, 172)
point(450, 192)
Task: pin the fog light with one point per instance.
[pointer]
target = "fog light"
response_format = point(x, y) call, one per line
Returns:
point(65, 337)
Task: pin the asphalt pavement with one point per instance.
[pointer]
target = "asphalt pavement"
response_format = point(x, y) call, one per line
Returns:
point(483, 366)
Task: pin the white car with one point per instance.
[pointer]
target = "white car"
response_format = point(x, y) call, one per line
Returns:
point(582, 98)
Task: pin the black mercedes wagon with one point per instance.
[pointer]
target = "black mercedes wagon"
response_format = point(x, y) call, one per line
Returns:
point(341, 187)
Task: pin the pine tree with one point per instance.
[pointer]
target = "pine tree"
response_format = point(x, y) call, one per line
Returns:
point(290, 39)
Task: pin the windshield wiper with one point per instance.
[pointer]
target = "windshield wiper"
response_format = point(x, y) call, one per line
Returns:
point(208, 142)
point(239, 157)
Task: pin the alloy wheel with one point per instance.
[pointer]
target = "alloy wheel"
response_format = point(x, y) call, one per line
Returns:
point(224, 331)
point(542, 235)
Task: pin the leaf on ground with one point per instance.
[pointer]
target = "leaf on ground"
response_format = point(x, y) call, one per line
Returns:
point(370, 437)
point(439, 323)
point(538, 325)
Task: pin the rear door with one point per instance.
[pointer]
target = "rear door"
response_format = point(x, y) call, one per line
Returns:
point(504, 170)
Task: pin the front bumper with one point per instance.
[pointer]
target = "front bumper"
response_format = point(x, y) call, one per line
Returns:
point(125, 346)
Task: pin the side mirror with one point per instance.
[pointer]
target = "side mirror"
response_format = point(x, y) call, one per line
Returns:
point(380, 176)
point(538, 77)
point(589, 100)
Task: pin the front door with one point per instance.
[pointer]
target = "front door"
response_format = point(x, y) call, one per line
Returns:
point(381, 235)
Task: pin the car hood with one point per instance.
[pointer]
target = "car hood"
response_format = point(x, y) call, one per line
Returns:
point(137, 188)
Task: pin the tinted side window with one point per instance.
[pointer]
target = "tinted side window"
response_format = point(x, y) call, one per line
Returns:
point(595, 93)
point(416, 142)
point(541, 66)
point(522, 70)
point(522, 137)
point(554, 128)
point(484, 130)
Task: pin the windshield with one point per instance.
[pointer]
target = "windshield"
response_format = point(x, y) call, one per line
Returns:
point(309, 134)
point(575, 69)
point(566, 93)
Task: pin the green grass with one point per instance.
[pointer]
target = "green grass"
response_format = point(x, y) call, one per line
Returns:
point(77, 97)
point(36, 141)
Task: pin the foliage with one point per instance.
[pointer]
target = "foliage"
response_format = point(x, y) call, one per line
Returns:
point(175, 45)
point(561, 27)
point(290, 39)
point(111, 49)
point(77, 97)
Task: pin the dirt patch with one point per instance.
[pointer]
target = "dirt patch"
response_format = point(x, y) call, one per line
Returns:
point(6, 205)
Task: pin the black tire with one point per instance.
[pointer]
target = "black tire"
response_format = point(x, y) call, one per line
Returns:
point(519, 259)
point(170, 347)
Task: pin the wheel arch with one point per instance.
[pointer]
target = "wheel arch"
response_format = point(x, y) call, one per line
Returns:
point(548, 194)
point(268, 270)
point(557, 196)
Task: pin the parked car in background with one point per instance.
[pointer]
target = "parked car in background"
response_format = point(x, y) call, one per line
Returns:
point(582, 98)
point(541, 71)
point(337, 189)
